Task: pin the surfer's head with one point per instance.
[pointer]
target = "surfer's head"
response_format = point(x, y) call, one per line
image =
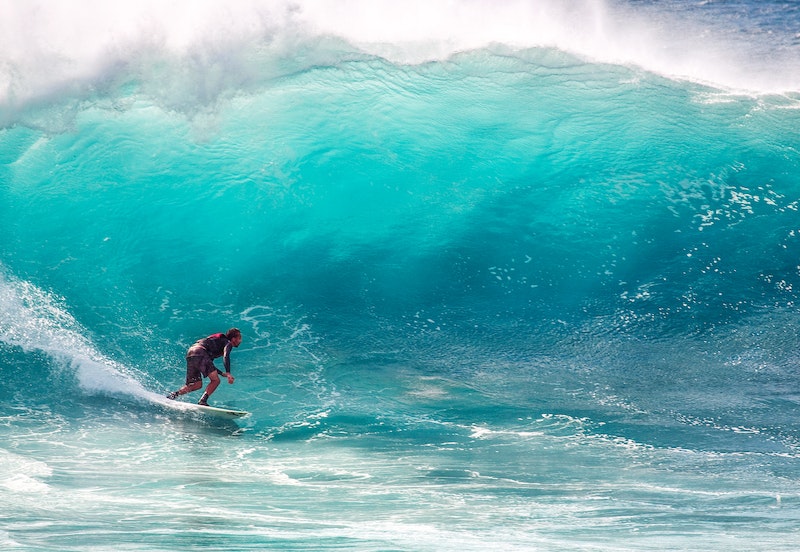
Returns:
point(235, 336)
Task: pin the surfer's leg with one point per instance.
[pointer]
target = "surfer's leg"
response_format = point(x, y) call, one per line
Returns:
point(194, 377)
point(211, 387)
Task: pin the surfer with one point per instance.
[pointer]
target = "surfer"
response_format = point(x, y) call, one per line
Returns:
point(200, 362)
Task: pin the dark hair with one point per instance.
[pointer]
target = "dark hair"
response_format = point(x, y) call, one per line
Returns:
point(233, 332)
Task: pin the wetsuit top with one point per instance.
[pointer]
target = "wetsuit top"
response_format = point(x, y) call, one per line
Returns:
point(216, 345)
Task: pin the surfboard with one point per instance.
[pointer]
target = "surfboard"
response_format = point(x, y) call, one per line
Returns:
point(218, 412)
point(211, 411)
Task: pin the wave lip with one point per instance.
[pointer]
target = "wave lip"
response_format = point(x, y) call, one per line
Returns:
point(49, 50)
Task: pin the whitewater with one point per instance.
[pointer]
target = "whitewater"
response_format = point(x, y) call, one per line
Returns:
point(517, 275)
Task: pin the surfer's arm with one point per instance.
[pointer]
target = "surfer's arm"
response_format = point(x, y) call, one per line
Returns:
point(226, 360)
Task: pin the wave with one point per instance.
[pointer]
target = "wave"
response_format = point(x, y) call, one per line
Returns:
point(549, 230)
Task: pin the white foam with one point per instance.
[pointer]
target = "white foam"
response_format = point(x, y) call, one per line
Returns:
point(52, 48)
point(23, 475)
point(35, 320)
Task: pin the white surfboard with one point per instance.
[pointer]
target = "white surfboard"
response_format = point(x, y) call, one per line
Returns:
point(212, 411)
point(217, 412)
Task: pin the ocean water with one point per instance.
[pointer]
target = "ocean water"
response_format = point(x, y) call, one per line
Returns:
point(512, 276)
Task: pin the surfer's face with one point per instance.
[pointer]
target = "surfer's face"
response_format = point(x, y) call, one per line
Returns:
point(236, 341)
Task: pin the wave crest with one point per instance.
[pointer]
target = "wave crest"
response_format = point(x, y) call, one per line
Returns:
point(195, 51)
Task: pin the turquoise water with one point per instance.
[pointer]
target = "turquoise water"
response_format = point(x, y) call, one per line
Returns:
point(495, 291)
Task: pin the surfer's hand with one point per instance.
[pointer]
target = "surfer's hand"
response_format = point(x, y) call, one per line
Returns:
point(230, 377)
